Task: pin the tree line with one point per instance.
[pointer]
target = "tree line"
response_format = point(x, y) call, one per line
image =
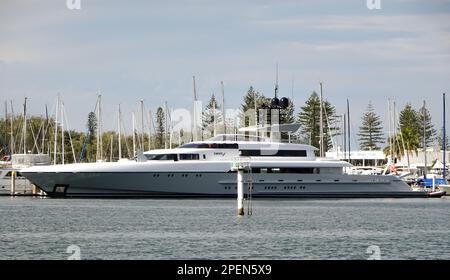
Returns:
point(413, 129)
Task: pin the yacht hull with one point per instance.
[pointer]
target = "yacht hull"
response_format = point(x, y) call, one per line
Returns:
point(217, 184)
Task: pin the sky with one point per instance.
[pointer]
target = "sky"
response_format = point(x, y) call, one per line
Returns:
point(149, 50)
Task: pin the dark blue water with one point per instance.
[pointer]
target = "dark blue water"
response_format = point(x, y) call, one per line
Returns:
point(33, 228)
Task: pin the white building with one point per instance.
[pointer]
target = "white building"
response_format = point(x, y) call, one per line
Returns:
point(360, 158)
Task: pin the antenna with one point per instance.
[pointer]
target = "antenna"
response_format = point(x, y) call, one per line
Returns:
point(276, 82)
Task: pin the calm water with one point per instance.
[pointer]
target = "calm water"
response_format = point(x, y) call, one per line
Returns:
point(209, 229)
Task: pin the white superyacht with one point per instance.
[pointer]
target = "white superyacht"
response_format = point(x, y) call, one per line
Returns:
point(204, 169)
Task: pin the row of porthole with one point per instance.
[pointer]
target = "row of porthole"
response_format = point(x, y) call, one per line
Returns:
point(274, 188)
point(294, 187)
point(182, 175)
point(229, 188)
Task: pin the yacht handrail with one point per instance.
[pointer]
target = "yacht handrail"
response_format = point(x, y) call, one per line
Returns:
point(239, 137)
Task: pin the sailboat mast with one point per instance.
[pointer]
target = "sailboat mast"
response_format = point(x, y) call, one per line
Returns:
point(62, 132)
point(165, 125)
point(44, 130)
point(100, 124)
point(345, 136)
point(111, 154)
point(348, 130)
point(99, 128)
point(25, 126)
point(214, 117)
point(12, 130)
point(443, 137)
point(256, 113)
point(321, 123)
point(149, 130)
point(120, 133)
point(142, 125)
point(6, 122)
point(134, 135)
point(56, 131)
point(194, 115)
point(223, 109)
point(390, 136)
point(424, 140)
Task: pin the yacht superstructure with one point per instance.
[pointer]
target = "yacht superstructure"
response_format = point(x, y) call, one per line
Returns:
point(203, 169)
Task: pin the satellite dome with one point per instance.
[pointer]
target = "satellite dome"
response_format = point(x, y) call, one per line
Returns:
point(274, 102)
point(284, 102)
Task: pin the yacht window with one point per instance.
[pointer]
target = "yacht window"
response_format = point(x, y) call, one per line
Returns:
point(162, 157)
point(189, 156)
point(296, 170)
point(211, 145)
point(274, 153)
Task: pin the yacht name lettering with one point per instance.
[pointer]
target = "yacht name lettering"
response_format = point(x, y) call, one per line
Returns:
point(219, 153)
point(194, 270)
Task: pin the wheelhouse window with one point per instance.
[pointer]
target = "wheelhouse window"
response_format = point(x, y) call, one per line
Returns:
point(293, 170)
point(162, 157)
point(211, 145)
point(273, 153)
point(189, 156)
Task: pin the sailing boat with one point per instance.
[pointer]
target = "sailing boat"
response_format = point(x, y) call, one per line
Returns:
point(445, 188)
point(424, 183)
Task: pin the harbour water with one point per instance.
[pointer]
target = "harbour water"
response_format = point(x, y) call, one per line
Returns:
point(36, 228)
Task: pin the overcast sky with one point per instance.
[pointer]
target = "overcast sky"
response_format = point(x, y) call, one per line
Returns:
point(133, 50)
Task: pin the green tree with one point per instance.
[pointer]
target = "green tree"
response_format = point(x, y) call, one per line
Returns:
point(409, 130)
point(211, 116)
point(410, 141)
point(309, 118)
point(92, 129)
point(394, 147)
point(160, 128)
point(425, 124)
point(439, 140)
point(248, 107)
point(409, 119)
point(287, 115)
point(370, 132)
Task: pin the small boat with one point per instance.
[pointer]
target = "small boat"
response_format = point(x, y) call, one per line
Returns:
point(436, 194)
point(445, 188)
